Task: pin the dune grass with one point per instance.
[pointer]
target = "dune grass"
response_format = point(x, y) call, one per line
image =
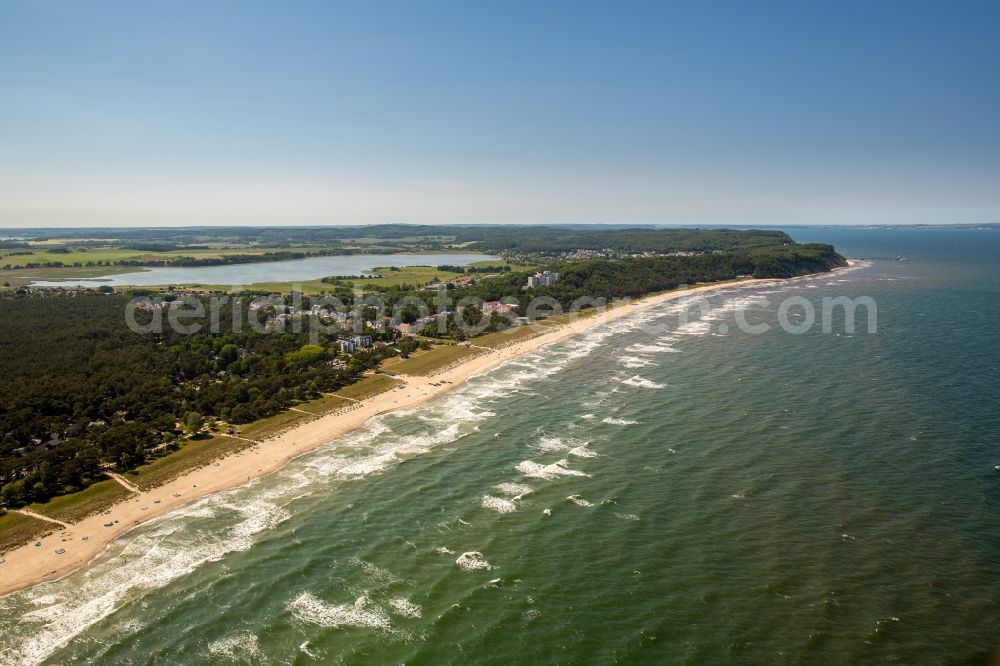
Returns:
point(17, 529)
point(77, 506)
point(367, 387)
point(274, 425)
point(426, 362)
point(193, 454)
point(507, 335)
point(324, 405)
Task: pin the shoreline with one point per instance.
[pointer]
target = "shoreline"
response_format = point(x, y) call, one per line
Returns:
point(28, 565)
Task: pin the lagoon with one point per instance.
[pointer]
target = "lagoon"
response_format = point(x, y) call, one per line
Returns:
point(273, 271)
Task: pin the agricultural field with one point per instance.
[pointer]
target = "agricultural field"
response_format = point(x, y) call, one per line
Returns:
point(73, 256)
point(19, 258)
point(21, 277)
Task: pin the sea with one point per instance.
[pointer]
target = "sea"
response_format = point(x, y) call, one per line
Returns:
point(674, 488)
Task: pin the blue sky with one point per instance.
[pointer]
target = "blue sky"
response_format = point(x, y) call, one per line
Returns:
point(155, 113)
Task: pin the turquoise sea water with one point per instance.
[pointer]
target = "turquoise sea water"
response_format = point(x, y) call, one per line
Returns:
point(679, 496)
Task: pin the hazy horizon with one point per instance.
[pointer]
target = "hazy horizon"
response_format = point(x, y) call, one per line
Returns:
point(720, 225)
point(253, 114)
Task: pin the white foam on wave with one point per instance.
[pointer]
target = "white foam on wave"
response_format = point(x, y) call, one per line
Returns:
point(583, 452)
point(613, 421)
point(380, 445)
point(473, 561)
point(312, 610)
point(368, 466)
point(549, 444)
point(655, 348)
point(532, 367)
point(642, 382)
point(239, 647)
point(635, 362)
point(406, 608)
point(627, 516)
point(47, 600)
point(515, 490)
point(559, 468)
point(698, 327)
point(498, 504)
point(579, 501)
point(164, 550)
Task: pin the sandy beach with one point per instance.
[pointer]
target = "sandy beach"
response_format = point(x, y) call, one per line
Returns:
point(81, 542)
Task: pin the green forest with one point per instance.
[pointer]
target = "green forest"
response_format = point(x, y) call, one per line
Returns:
point(633, 277)
point(520, 239)
point(80, 390)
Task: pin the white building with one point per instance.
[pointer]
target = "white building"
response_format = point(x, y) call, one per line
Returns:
point(347, 346)
point(362, 340)
point(543, 279)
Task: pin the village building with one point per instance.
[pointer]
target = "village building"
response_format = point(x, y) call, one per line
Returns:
point(543, 279)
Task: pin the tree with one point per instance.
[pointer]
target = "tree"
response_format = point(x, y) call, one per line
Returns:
point(12, 494)
point(228, 354)
point(193, 423)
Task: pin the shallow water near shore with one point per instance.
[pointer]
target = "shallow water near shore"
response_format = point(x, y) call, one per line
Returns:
point(687, 496)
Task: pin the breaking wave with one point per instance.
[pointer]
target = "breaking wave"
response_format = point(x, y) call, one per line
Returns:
point(498, 504)
point(641, 382)
point(473, 561)
point(559, 468)
point(361, 613)
point(613, 421)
